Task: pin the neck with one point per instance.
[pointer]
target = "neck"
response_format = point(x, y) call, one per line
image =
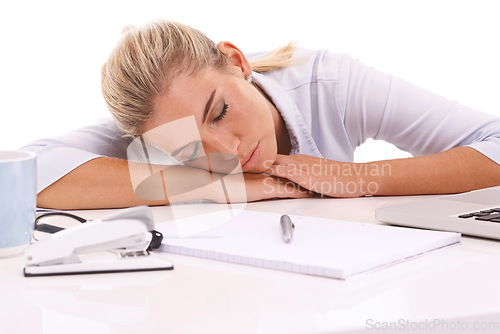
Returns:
point(283, 139)
point(282, 136)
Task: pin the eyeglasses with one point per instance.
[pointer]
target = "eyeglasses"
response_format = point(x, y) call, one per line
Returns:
point(49, 222)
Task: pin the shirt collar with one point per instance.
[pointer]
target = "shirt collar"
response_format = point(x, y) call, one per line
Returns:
point(300, 137)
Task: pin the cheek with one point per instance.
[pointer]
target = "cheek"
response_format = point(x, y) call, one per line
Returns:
point(257, 116)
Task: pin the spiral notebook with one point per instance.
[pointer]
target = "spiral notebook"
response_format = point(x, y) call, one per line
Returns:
point(322, 247)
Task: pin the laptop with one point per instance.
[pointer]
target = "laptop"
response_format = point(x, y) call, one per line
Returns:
point(475, 213)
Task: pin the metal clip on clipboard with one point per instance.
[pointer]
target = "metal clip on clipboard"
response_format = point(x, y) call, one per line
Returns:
point(116, 243)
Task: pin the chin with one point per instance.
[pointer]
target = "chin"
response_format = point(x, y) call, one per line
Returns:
point(267, 158)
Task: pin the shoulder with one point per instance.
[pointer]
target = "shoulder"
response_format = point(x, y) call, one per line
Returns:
point(311, 66)
point(102, 138)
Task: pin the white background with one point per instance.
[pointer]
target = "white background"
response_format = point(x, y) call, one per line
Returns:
point(52, 51)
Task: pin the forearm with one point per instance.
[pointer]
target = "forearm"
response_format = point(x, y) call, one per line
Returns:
point(456, 170)
point(99, 183)
point(115, 183)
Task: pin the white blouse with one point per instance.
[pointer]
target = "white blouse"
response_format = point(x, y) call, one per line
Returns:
point(330, 104)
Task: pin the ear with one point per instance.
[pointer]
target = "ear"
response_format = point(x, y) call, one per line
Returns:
point(237, 60)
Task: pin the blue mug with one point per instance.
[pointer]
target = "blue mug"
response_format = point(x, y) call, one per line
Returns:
point(17, 200)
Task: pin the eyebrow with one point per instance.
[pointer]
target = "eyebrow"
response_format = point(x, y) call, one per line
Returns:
point(208, 106)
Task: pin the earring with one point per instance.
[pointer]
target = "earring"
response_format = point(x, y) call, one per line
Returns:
point(249, 78)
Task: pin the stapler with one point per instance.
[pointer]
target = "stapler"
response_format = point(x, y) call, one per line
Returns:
point(116, 243)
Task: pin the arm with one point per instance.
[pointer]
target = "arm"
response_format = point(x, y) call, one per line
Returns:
point(457, 148)
point(385, 107)
point(456, 170)
point(99, 183)
point(106, 183)
point(88, 169)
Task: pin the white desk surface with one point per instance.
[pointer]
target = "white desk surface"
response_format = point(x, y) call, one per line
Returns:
point(451, 290)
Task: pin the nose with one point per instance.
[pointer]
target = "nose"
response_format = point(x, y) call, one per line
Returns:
point(225, 146)
point(222, 142)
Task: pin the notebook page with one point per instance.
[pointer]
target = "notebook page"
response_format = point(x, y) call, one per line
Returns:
point(323, 247)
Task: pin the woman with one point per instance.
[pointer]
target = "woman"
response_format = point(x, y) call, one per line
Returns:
point(292, 118)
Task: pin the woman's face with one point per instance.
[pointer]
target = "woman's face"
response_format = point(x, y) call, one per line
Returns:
point(231, 115)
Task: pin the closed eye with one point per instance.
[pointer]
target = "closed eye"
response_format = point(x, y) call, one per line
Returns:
point(222, 113)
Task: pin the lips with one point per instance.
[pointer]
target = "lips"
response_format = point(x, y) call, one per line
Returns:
point(251, 158)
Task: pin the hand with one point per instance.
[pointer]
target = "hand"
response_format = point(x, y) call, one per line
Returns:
point(264, 186)
point(250, 187)
point(326, 177)
point(183, 183)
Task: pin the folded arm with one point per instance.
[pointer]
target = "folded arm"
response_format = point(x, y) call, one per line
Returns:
point(106, 183)
point(456, 170)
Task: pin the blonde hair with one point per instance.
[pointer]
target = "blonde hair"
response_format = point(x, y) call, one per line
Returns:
point(149, 57)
